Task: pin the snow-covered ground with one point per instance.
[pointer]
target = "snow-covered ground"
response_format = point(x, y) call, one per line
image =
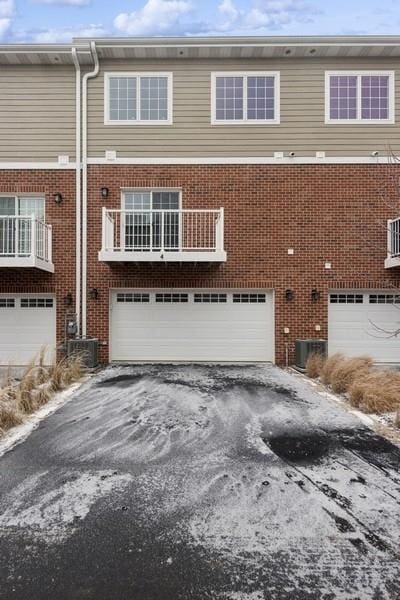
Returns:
point(200, 482)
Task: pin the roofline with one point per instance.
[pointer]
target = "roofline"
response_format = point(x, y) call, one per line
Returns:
point(212, 41)
point(83, 44)
point(43, 48)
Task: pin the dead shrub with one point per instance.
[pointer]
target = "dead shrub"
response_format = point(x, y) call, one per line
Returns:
point(75, 368)
point(314, 365)
point(37, 386)
point(42, 394)
point(376, 392)
point(67, 371)
point(348, 370)
point(10, 415)
point(329, 366)
point(8, 377)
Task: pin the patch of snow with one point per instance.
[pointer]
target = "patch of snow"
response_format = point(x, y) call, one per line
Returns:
point(18, 434)
point(254, 436)
point(363, 417)
point(245, 595)
point(54, 513)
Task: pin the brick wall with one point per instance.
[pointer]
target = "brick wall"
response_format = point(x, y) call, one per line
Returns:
point(62, 218)
point(325, 213)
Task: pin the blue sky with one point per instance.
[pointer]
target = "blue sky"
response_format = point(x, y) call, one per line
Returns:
point(60, 20)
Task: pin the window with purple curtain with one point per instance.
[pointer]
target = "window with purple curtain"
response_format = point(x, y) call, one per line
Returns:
point(375, 97)
point(229, 98)
point(359, 97)
point(260, 98)
point(343, 97)
point(247, 97)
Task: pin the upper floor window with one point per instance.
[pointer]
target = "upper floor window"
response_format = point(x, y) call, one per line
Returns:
point(138, 99)
point(359, 97)
point(251, 97)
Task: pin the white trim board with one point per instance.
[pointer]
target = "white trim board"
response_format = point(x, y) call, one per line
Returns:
point(244, 160)
point(201, 160)
point(37, 165)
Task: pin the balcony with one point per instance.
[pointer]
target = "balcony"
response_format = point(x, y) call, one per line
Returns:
point(163, 236)
point(25, 242)
point(393, 257)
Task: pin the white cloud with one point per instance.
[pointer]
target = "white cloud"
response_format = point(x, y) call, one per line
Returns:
point(4, 27)
point(61, 34)
point(64, 2)
point(7, 9)
point(262, 16)
point(228, 9)
point(156, 17)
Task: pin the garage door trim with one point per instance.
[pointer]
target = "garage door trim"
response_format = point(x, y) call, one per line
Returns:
point(176, 290)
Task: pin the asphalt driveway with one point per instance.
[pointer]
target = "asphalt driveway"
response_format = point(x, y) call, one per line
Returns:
point(196, 483)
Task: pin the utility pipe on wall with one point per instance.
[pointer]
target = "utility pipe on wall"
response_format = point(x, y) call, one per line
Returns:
point(77, 187)
point(86, 77)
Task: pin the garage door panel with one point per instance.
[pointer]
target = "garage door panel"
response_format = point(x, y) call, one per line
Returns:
point(25, 330)
point(197, 331)
point(356, 329)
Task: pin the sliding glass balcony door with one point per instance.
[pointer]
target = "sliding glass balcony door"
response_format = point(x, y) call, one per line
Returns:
point(153, 224)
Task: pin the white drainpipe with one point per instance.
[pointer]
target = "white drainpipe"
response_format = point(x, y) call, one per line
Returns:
point(86, 77)
point(78, 188)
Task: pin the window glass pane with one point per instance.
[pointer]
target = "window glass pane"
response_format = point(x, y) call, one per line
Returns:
point(32, 206)
point(122, 93)
point(165, 200)
point(229, 98)
point(375, 97)
point(343, 97)
point(154, 98)
point(7, 206)
point(260, 98)
point(138, 200)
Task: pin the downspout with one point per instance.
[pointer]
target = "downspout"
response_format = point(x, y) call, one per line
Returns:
point(86, 77)
point(77, 189)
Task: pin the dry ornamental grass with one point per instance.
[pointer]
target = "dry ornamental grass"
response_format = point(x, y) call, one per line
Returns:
point(329, 366)
point(376, 392)
point(347, 371)
point(314, 365)
point(36, 387)
point(372, 391)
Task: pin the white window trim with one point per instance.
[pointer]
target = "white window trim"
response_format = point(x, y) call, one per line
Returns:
point(137, 74)
point(245, 121)
point(359, 121)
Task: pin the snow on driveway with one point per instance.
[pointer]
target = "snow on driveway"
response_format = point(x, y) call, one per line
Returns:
point(200, 482)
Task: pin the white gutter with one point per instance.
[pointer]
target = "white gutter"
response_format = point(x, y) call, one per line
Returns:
point(77, 188)
point(86, 77)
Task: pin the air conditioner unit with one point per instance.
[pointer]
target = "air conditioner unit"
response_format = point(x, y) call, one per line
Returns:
point(303, 349)
point(85, 347)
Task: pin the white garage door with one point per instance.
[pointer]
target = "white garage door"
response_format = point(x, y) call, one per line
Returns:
point(27, 323)
point(191, 326)
point(362, 323)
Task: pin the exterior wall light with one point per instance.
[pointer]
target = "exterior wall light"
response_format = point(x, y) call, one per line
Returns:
point(94, 293)
point(104, 192)
point(315, 295)
point(68, 300)
point(58, 197)
point(289, 295)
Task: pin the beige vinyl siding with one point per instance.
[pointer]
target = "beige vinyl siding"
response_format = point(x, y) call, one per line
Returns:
point(302, 128)
point(37, 113)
